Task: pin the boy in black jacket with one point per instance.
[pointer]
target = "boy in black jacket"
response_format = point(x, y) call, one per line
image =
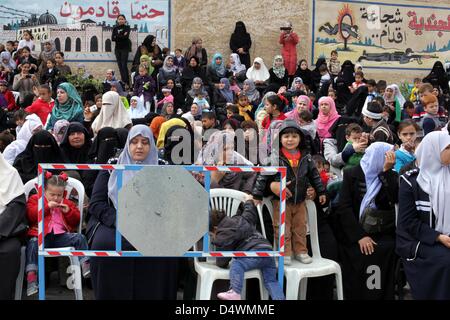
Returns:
point(238, 233)
point(301, 174)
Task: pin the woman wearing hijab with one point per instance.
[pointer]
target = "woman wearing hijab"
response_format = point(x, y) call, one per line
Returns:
point(59, 130)
point(193, 70)
point(395, 100)
point(68, 106)
point(279, 76)
point(156, 124)
point(154, 52)
point(258, 73)
point(12, 227)
point(236, 68)
point(328, 115)
point(196, 50)
point(423, 224)
point(370, 188)
point(32, 125)
point(168, 71)
point(48, 53)
point(7, 62)
point(249, 89)
point(316, 76)
point(112, 114)
point(130, 278)
point(223, 94)
point(344, 79)
point(438, 77)
point(304, 73)
point(105, 146)
point(216, 70)
point(42, 148)
point(76, 144)
point(241, 42)
point(197, 89)
point(137, 109)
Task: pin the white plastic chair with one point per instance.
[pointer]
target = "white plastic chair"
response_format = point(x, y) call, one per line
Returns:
point(297, 273)
point(71, 184)
point(229, 201)
point(16, 95)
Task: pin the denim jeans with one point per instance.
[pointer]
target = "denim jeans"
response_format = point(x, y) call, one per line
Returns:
point(76, 240)
point(269, 273)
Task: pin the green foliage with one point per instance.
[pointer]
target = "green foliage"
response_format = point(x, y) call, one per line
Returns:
point(406, 88)
point(81, 83)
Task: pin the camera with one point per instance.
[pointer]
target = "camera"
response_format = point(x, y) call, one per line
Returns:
point(93, 108)
point(28, 76)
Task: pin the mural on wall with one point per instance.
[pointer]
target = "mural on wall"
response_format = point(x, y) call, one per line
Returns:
point(399, 36)
point(83, 28)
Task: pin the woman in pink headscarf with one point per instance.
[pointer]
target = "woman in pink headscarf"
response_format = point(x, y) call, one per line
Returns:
point(302, 103)
point(327, 117)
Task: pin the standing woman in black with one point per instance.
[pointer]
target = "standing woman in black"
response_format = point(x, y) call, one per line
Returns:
point(121, 36)
point(241, 42)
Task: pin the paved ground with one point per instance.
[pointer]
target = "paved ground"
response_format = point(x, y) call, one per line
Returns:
point(57, 292)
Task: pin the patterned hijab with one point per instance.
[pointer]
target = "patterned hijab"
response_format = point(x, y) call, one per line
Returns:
point(281, 70)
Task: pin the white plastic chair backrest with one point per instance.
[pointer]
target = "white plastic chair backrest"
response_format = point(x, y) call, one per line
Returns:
point(312, 222)
point(71, 184)
point(227, 200)
point(16, 95)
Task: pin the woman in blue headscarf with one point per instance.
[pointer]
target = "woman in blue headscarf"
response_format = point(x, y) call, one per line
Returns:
point(129, 278)
point(223, 94)
point(368, 256)
point(216, 70)
point(68, 106)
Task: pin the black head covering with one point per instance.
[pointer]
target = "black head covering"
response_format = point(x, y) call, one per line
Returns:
point(76, 155)
point(438, 77)
point(356, 103)
point(148, 42)
point(240, 29)
point(304, 74)
point(149, 117)
point(27, 161)
point(104, 146)
point(347, 72)
point(122, 135)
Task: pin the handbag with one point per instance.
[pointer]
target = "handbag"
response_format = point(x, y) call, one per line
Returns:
point(378, 221)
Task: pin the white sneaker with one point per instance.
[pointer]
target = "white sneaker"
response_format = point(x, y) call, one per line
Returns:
point(303, 258)
point(287, 261)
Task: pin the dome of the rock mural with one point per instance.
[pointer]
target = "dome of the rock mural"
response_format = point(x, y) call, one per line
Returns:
point(47, 18)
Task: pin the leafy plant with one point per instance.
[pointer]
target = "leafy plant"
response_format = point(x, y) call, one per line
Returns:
point(405, 89)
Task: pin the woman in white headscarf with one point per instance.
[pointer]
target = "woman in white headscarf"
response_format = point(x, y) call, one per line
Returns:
point(236, 67)
point(12, 226)
point(258, 72)
point(370, 186)
point(130, 278)
point(137, 109)
point(423, 225)
point(32, 125)
point(112, 114)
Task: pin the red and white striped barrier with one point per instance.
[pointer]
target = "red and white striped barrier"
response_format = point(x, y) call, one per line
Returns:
point(50, 253)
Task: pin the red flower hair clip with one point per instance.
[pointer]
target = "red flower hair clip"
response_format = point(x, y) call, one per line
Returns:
point(48, 175)
point(64, 176)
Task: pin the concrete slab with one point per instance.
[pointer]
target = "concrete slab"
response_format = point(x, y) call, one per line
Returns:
point(163, 211)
